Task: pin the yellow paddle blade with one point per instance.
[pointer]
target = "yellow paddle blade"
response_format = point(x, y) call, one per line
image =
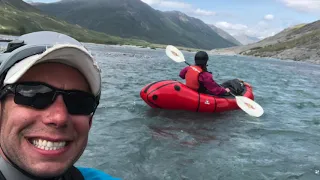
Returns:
point(249, 106)
point(174, 54)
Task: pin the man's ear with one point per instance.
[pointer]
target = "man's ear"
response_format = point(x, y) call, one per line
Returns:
point(90, 120)
point(1, 104)
point(1, 111)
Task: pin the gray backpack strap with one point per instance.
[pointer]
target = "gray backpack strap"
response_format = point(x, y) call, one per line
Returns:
point(73, 174)
point(2, 176)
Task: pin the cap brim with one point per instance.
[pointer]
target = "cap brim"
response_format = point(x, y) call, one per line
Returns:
point(72, 55)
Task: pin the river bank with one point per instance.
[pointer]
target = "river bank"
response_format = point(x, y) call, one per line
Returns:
point(295, 54)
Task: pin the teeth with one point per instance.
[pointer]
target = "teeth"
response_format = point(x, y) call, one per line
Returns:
point(48, 145)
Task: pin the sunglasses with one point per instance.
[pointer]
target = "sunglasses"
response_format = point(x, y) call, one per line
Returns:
point(40, 95)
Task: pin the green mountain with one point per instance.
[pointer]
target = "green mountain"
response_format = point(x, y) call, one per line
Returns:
point(17, 4)
point(135, 19)
point(299, 43)
point(18, 17)
point(197, 31)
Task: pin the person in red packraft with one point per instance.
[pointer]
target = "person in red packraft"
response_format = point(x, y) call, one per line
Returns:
point(199, 79)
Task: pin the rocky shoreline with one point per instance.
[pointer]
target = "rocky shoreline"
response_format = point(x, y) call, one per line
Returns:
point(295, 54)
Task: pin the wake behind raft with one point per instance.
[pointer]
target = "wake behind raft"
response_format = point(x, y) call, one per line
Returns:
point(174, 95)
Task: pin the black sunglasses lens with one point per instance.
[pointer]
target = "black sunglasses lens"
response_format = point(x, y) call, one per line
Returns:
point(40, 96)
point(37, 96)
point(80, 103)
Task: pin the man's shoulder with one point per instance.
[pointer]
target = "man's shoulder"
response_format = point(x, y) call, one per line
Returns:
point(95, 174)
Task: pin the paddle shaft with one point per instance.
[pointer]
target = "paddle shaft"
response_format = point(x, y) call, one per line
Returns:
point(232, 94)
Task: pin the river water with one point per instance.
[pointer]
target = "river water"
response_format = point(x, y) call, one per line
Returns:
point(132, 141)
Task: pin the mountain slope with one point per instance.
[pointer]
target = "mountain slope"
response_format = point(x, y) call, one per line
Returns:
point(245, 39)
point(135, 19)
point(197, 30)
point(17, 4)
point(18, 17)
point(225, 35)
point(300, 43)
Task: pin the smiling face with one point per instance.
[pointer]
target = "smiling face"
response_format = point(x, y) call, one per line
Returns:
point(45, 142)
